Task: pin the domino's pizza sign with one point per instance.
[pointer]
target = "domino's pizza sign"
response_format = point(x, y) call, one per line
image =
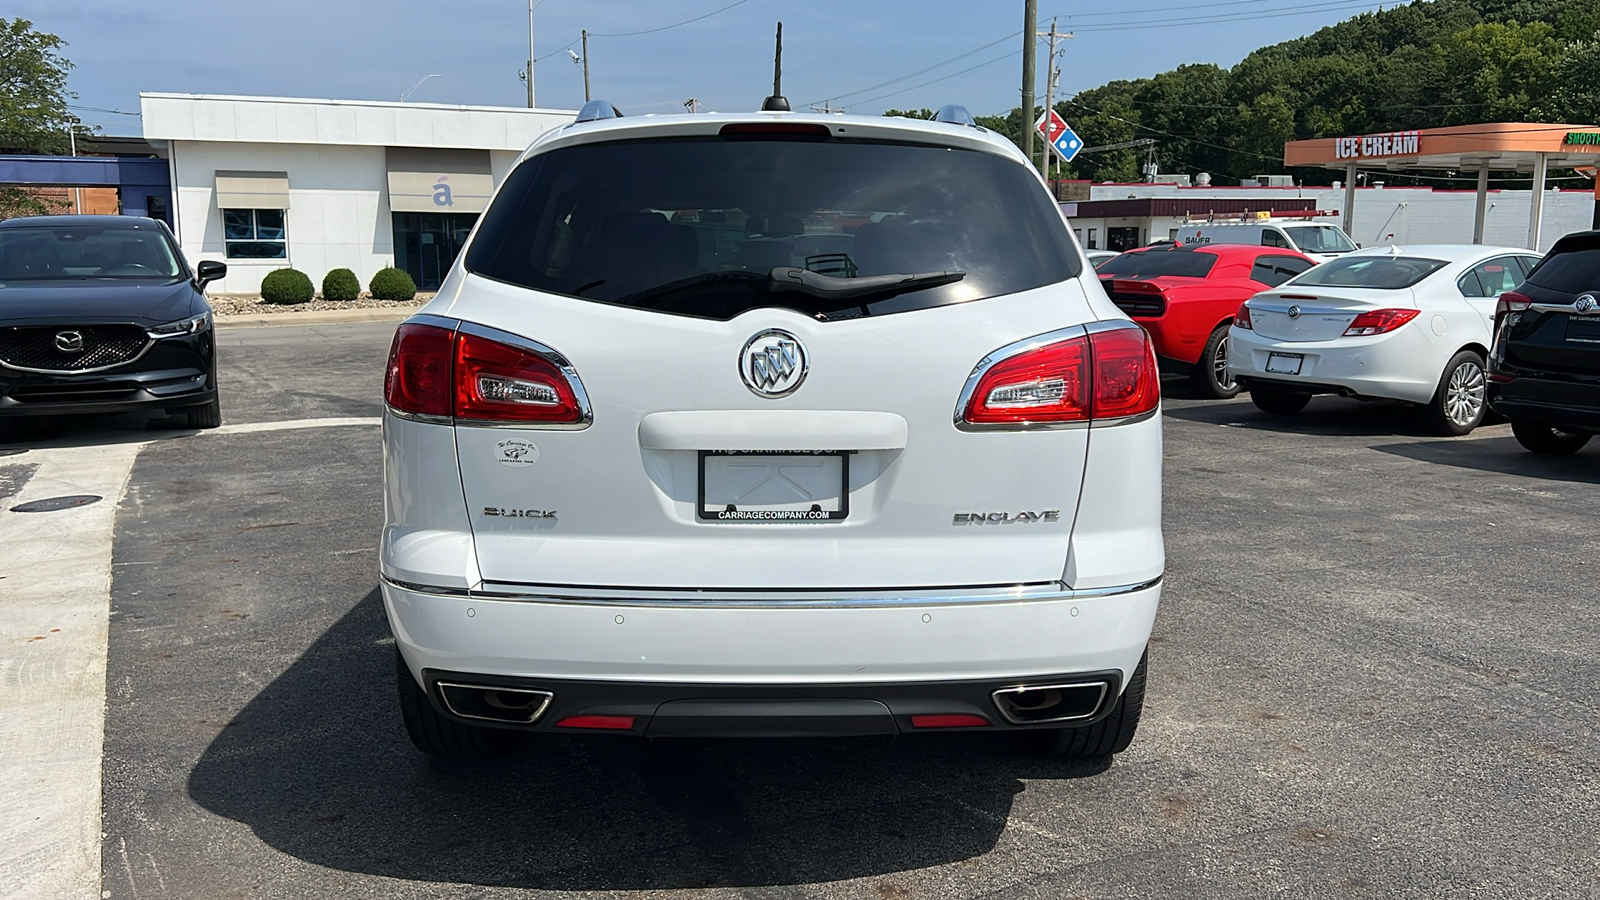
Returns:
point(1062, 139)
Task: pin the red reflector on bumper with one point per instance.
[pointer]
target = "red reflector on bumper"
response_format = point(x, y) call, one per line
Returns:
point(948, 721)
point(611, 723)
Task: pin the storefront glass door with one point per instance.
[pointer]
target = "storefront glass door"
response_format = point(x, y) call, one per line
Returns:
point(425, 244)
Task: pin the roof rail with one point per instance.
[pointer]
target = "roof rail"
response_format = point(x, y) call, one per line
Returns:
point(953, 114)
point(595, 110)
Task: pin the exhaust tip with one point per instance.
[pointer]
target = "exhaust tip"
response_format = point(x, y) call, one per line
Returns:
point(1033, 704)
point(492, 703)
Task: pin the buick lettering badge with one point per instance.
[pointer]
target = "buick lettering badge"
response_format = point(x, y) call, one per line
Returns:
point(773, 364)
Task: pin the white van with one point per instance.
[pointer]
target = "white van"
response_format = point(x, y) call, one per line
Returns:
point(1318, 241)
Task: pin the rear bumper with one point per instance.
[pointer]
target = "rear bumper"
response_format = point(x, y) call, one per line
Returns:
point(945, 651)
point(1560, 403)
point(665, 709)
point(1400, 365)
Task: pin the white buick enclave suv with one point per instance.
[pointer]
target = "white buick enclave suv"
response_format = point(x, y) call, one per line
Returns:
point(771, 424)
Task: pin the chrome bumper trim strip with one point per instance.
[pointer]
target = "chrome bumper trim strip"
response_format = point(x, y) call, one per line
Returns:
point(879, 599)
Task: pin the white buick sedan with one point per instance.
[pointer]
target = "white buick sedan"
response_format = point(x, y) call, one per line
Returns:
point(771, 424)
point(1409, 323)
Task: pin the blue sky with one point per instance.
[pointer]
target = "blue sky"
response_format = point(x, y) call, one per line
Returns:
point(833, 48)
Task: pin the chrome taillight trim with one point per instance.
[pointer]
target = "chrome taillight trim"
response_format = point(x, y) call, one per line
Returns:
point(548, 354)
point(821, 598)
point(1027, 345)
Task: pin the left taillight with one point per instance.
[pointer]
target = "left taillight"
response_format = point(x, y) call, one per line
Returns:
point(466, 376)
point(418, 380)
point(1109, 374)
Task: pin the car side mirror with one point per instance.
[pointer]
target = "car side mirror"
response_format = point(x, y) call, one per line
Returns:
point(209, 271)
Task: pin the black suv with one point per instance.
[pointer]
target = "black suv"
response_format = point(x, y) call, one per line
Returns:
point(100, 314)
point(1544, 373)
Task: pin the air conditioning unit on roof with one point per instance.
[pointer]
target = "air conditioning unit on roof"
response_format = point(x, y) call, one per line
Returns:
point(1274, 180)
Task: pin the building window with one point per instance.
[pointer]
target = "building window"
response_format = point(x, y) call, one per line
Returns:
point(1093, 237)
point(254, 234)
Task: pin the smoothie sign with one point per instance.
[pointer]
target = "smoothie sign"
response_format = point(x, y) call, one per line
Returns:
point(1395, 143)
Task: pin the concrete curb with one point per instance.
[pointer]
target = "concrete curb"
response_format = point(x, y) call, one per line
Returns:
point(320, 317)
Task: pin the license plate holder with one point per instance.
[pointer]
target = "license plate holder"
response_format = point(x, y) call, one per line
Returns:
point(1285, 363)
point(1583, 330)
point(761, 487)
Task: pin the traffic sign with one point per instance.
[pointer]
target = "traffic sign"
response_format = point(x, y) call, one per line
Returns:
point(1061, 138)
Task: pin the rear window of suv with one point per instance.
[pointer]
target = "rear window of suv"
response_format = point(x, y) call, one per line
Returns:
point(694, 226)
point(1572, 267)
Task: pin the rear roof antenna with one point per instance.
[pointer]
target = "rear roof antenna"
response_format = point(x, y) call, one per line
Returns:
point(777, 102)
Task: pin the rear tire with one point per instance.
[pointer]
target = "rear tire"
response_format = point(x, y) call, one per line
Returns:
point(434, 734)
point(1111, 734)
point(1210, 376)
point(208, 416)
point(1462, 397)
point(1548, 439)
point(1278, 403)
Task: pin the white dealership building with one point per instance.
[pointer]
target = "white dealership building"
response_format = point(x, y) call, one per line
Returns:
point(267, 182)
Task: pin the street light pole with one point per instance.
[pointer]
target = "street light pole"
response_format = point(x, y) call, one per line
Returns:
point(530, 52)
point(1030, 28)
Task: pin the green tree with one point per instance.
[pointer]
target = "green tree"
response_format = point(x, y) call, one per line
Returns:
point(33, 90)
point(1576, 98)
point(923, 113)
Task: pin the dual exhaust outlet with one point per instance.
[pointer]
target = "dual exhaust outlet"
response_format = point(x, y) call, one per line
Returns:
point(1021, 705)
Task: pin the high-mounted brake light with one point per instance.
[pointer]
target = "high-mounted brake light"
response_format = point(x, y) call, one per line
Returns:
point(436, 371)
point(1379, 321)
point(1108, 374)
point(769, 129)
point(1511, 302)
point(1241, 319)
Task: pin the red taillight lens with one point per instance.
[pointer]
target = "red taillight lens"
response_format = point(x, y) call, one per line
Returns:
point(500, 382)
point(1125, 382)
point(601, 723)
point(1049, 384)
point(1242, 317)
point(1104, 375)
point(1510, 302)
point(1379, 321)
point(418, 377)
point(950, 720)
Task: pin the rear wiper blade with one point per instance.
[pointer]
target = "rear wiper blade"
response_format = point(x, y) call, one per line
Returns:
point(792, 279)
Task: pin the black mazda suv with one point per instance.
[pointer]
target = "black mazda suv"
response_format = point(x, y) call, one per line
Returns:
point(101, 314)
point(1544, 372)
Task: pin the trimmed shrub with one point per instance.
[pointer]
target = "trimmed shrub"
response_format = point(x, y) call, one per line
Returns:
point(341, 286)
point(392, 284)
point(286, 286)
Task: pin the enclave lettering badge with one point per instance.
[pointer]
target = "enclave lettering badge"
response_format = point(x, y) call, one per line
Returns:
point(519, 513)
point(1005, 518)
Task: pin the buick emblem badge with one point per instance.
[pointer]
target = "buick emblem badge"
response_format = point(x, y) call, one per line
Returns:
point(69, 341)
point(1585, 303)
point(1294, 312)
point(773, 364)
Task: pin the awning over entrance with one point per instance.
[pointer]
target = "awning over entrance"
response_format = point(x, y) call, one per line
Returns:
point(438, 181)
point(252, 190)
point(1529, 148)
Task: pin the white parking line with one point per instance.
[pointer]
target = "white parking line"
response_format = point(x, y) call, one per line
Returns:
point(55, 598)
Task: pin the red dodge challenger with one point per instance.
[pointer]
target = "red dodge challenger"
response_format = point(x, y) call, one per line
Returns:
point(1185, 296)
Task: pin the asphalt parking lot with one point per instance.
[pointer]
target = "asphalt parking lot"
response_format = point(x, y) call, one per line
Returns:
point(1372, 675)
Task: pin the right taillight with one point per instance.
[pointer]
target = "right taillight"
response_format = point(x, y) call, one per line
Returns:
point(1379, 321)
point(1108, 374)
point(467, 376)
point(1510, 302)
point(1242, 317)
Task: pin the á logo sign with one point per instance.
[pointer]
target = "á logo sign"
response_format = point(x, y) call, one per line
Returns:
point(441, 193)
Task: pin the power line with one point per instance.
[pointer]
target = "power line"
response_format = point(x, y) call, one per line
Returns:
point(923, 71)
point(937, 80)
point(673, 25)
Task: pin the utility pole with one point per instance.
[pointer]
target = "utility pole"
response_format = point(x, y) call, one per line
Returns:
point(692, 105)
point(1052, 74)
point(585, 65)
point(1030, 27)
point(530, 52)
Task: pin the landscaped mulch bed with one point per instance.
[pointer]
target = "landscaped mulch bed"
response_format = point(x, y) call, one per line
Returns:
point(251, 305)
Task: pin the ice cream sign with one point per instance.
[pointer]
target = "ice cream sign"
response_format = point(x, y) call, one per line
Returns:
point(1394, 143)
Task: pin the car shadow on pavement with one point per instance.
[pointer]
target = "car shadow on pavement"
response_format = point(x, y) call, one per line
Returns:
point(1325, 415)
point(319, 767)
point(31, 432)
point(1503, 455)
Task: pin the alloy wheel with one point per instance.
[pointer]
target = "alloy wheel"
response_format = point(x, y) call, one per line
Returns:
point(1219, 365)
point(1465, 395)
